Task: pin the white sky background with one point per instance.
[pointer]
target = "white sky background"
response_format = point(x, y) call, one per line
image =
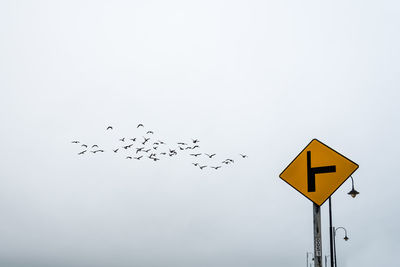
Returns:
point(255, 77)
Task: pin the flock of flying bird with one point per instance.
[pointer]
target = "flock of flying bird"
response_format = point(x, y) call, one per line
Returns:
point(146, 147)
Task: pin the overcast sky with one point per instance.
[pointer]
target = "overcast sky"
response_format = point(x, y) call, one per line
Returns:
point(256, 77)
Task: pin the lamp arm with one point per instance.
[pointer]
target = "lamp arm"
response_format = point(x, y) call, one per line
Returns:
point(345, 232)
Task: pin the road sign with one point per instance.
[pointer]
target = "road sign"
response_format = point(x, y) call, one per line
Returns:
point(318, 171)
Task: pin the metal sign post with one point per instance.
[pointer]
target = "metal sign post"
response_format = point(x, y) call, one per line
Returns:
point(317, 172)
point(317, 236)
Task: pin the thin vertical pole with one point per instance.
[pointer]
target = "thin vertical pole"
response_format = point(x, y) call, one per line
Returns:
point(331, 232)
point(307, 259)
point(317, 236)
point(334, 244)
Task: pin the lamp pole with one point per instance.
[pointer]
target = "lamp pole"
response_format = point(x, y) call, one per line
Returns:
point(334, 238)
point(331, 229)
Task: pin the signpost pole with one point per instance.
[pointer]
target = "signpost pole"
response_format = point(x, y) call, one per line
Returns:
point(317, 236)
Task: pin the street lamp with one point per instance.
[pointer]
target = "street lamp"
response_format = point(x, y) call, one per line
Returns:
point(312, 254)
point(345, 233)
point(334, 238)
point(353, 193)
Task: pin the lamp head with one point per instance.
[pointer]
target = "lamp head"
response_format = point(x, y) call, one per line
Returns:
point(353, 193)
point(345, 238)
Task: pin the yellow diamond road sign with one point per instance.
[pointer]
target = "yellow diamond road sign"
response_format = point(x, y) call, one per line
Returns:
point(318, 171)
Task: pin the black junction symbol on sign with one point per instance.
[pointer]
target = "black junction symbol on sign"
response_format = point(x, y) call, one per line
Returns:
point(311, 172)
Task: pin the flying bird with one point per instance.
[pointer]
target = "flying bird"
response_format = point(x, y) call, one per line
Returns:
point(140, 125)
point(195, 155)
point(210, 156)
point(82, 152)
point(122, 139)
point(149, 132)
point(195, 164)
point(183, 144)
point(95, 146)
point(75, 142)
point(128, 157)
point(145, 140)
point(216, 167)
point(139, 149)
point(133, 139)
point(195, 141)
point(128, 146)
point(243, 156)
point(116, 150)
point(138, 158)
point(84, 145)
point(99, 150)
point(109, 128)
point(202, 167)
